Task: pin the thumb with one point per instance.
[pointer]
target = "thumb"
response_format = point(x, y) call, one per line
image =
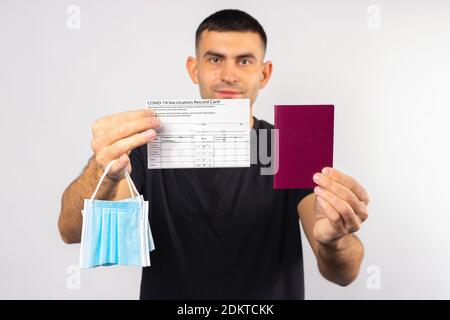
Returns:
point(127, 163)
point(117, 169)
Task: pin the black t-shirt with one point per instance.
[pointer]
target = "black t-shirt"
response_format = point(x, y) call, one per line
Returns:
point(220, 233)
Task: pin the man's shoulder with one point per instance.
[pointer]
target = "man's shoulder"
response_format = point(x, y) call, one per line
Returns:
point(263, 124)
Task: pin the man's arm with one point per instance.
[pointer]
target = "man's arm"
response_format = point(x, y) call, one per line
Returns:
point(113, 138)
point(339, 261)
point(70, 219)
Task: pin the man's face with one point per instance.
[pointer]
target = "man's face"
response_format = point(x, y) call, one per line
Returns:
point(229, 65)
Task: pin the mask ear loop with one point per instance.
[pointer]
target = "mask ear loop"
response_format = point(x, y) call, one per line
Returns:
point(130, 182)
point(104, 175)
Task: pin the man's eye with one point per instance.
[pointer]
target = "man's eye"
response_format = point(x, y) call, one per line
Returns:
point(245, 61)
point(215, 60)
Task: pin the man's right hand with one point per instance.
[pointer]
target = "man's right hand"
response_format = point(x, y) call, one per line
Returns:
point(114, 136)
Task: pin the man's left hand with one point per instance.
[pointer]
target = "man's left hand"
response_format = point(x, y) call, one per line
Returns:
point(340, 205)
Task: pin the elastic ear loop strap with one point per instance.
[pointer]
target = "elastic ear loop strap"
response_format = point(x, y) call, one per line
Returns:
point(130, 183)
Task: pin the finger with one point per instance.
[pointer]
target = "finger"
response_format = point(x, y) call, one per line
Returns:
point(126, 129)
point(118, 166)
point(120, 117)
point(125, 145)
point(351, 220)
point(347, 181)
point(344, 193)
point(131, 115)
point(332, 215)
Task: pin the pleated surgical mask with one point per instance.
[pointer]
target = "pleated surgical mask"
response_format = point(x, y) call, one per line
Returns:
point(116, 232)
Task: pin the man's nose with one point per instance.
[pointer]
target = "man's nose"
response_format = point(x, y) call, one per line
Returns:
point(228, 73)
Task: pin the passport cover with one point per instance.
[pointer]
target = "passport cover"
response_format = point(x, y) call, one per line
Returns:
point(305, 144)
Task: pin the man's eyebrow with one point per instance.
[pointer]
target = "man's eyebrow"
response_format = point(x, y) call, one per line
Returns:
point(246, 55)
point(212, 53)
point(220, 55)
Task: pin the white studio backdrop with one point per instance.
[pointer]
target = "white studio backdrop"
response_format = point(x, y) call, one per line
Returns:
point(384, 64)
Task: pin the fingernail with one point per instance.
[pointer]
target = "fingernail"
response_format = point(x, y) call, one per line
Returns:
point(327, 171)
point(123, 163)
point(316, 177)
point(318, 190)
point(157, 122)
point(149, 133)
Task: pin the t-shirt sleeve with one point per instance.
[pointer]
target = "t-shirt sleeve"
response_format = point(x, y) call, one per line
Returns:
point(297, 195)
point(138, 168)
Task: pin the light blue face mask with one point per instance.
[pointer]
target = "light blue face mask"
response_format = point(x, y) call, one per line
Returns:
point(116, 232)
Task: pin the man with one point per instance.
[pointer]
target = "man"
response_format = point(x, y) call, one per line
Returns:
point(223, 233)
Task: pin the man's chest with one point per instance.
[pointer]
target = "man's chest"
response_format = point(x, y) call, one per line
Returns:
point(223, 197)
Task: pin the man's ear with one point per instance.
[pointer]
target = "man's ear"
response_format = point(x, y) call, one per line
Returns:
point(191, 66)
point(266, 73)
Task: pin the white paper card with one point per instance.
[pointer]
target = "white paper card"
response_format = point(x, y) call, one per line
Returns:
point(200, 133)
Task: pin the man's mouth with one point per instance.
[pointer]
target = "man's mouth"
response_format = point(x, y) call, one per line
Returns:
point(226, 94)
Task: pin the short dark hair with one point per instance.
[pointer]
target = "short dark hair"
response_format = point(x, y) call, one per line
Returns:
point(231, 20)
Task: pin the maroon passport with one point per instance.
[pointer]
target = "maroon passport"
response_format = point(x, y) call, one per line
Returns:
point(305, 144)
